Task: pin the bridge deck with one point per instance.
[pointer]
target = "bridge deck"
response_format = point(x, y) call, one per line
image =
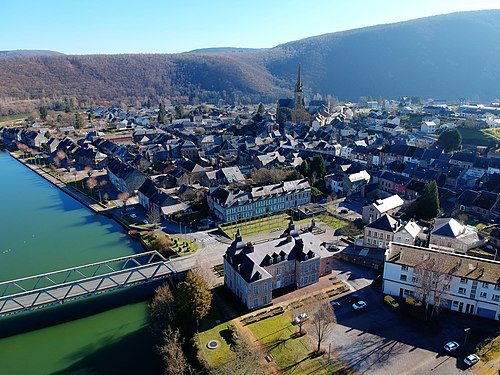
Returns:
point(55, 293)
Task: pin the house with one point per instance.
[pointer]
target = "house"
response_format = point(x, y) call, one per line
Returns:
point(124, 177)
point(429, 127)
point(389, 206)
point(353, 182)
point(410, 234)
point(223, 176)
point(463, 159)
point(253, 271)
point(461, 283)
point(381, 231)
point(232, 206)
point(449, 235)
point(158, 202)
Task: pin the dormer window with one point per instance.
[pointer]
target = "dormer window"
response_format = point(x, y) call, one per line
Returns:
point(305, 256)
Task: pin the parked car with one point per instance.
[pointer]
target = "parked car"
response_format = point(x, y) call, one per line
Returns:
point(471, 359)
point(391, 301)
point(300, 318)
point(353, 298)
point(334, 304)
point(358, 305)
point(412, 301)
point(451, 346)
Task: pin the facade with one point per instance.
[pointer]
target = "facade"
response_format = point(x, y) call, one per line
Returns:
point(389, 206)
point(380, 232)
point(459, 282)
point(229, 206)
point(124, 177)
point(449, 234)
point(253, 271)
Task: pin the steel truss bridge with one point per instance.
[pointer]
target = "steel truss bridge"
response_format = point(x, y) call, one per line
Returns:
point(49, 289)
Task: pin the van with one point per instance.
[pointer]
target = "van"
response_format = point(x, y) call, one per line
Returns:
point(391, 301)
point(412, 301)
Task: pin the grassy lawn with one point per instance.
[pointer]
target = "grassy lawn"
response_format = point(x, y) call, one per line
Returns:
point(180, 246)
point(473, 136)
point(258, 225)
point(490, 350)
point(495, 133)
point(292, 354)
point(276, 222)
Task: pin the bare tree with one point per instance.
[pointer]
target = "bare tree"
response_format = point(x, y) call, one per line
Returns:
point(162, 308)
point(91, 184)
point(433, 276)
point(153, 216)
point(246, 360)
point(321, 320)
point(89, 170)
point(161, 243)
point(124, 197)
point(174, 359)
point(60, 156)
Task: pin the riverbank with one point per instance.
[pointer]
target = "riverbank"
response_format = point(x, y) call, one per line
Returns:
point(87, 201)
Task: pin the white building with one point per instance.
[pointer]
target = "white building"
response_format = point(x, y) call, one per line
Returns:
point(429, 127)
point(232, 206)
point(461, 283)
point(388, 206)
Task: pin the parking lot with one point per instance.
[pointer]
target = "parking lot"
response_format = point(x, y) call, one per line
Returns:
point(380, 339)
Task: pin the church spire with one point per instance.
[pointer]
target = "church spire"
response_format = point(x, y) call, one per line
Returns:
point(298, 85)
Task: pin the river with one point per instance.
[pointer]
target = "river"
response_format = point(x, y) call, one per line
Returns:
point(41, 230)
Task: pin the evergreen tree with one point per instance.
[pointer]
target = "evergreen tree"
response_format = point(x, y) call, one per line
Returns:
point(194, 297)
point(78, 121)
point(43, 112)
point(427, 204)
point(161, 114)
point(179, 111)
point(450, 140)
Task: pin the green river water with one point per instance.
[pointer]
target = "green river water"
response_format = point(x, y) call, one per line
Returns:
point(42, 229)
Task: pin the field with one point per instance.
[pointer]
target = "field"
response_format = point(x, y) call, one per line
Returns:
point(478, 137)
point(495, 133)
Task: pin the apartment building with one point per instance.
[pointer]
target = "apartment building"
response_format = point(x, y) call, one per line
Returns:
point(463, 283)
point(231, 206)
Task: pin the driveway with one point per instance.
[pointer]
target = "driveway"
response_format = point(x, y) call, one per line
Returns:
point(382, 340)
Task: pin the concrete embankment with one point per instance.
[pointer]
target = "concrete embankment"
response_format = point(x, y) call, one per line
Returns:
point(95, 206)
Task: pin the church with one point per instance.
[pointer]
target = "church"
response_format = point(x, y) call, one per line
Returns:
point(293, 110)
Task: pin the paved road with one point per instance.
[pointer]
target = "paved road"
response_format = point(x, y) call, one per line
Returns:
point(382, 340)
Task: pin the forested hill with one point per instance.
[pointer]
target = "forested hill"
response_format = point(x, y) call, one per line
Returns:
point(448, 56)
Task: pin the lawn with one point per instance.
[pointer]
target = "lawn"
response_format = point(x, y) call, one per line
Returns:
point(292, 354)
point(490, 350)
point(495, 133)
point(255, 226)
point(473, 136)
point(275, 222)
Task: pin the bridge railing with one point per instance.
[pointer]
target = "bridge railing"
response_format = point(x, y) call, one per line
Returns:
point(75, 274)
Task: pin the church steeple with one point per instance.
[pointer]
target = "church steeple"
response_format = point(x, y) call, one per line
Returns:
point(298, 85)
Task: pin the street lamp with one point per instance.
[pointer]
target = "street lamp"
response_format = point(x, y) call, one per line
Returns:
point(466, 330)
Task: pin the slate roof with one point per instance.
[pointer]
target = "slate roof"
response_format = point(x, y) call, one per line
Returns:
point(448, 227)
point(385, 223)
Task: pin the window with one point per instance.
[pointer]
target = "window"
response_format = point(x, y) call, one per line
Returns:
point(463, 280)
point(369, 232)
point(455, 303)
point(388, 236)
point(369, 241)
point(278, 271)
point(485, 285)
point(402, 277)
point(495, 297)
point(404, 268)
point(482, 294)
point(461, 290)
point(255, 301)
point(497, 287)
point(414, 279)
point(256, 289)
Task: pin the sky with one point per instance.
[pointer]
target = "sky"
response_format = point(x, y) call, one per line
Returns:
point(171, 26)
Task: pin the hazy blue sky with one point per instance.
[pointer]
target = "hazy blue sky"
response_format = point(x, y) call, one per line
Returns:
point(147, 26)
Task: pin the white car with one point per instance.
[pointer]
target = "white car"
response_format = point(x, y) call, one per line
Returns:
point(358, 305)
point(471, 359)
point(451, 346)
